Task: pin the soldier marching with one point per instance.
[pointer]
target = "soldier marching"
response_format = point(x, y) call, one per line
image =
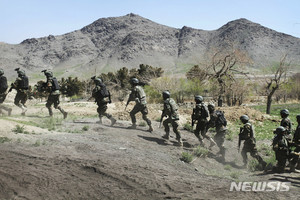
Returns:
point(285, 145)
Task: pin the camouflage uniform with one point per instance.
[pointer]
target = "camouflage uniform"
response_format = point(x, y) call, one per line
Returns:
point(296, 139)
point(281, 146)
point(102, 102)
point(21, 85)
point(247, 134)
point(3, 88)
point(53, 99)
point(286, 123)
point(139, 96)
point(221, 131)
point(171, 111)
point(200, 114)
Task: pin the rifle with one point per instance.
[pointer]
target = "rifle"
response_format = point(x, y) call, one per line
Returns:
point(127, 104)
point(10, 89)
point(12, 86)
point(239, 145)
point(109, 98)
point(161, 118)
point(193, 117)
point(296, 153)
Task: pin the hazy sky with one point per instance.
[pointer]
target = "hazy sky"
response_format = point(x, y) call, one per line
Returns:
point(23, 19)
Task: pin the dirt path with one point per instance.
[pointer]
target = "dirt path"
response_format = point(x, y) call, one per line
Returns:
point(116, 163)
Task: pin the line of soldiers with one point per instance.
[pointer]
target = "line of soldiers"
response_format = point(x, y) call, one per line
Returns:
point(285, 145)
point(21, 85)
point(200, 114)
point(282, 142)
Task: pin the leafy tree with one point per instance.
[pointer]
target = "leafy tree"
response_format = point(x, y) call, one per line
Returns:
point(294, 86)
point(197, 73)
point(72, 86)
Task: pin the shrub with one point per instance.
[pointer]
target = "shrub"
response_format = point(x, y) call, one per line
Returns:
point(235, 175)
point(201, 151)
point(4, 139)
point(154, 96)
point(186, 157)
point(19, 129)
point(142, 123)
point(188, 127)
point(228, 167)
point(271, 160)
point(85, 128)
point(253, 165)
point(230, 135)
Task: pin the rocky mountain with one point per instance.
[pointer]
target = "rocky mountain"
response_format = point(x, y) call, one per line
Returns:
point(111, 43)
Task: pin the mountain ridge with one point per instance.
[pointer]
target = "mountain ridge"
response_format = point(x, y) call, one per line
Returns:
point(108, 44)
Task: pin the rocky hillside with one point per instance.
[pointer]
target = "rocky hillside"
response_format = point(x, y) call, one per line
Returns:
point(110, 43)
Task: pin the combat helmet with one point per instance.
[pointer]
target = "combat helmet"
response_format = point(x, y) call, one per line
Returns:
point(244, 118)
point(48, 73)
point(284, 113)
point(211, 107)
point(134, 81)
point(166, 94)
point(20, 72)
point(198, 98)
point(279, 130)
point(97, 80)
point(1, 72)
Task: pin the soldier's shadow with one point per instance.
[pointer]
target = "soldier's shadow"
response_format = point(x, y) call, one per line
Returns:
point(126, 128)
point(295, 181)
point(37, 116)
point(154, 139)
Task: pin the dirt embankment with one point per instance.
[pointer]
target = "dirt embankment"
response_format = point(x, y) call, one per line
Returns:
point(81, 159)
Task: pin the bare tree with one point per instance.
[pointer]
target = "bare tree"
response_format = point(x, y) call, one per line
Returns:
point(223, 67)
point(273, 84)
point(197, 73)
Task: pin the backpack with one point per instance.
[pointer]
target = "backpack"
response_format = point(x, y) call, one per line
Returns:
point(55, 85)
point(3, 84)
point(104, 92)
point(24, 83)
point(221, 120)
point(204, 111)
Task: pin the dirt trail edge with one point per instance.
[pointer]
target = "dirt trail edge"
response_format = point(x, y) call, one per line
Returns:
point(114, 163)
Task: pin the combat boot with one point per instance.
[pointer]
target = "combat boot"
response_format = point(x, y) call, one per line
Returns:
point(24, 109)
point(50, 112)
point(180, 143)
point(212, 143)
point(293, 169)
point(65, 115)
point(150, 129)
point(100, 120)
point(113, 121)
point(166, 136)
point(133, 126)
point(9, 111)
point(264, 165)
point(201, 142)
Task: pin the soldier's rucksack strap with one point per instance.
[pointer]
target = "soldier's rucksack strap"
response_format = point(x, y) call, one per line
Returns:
point(55, 85)
point(3, 84)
